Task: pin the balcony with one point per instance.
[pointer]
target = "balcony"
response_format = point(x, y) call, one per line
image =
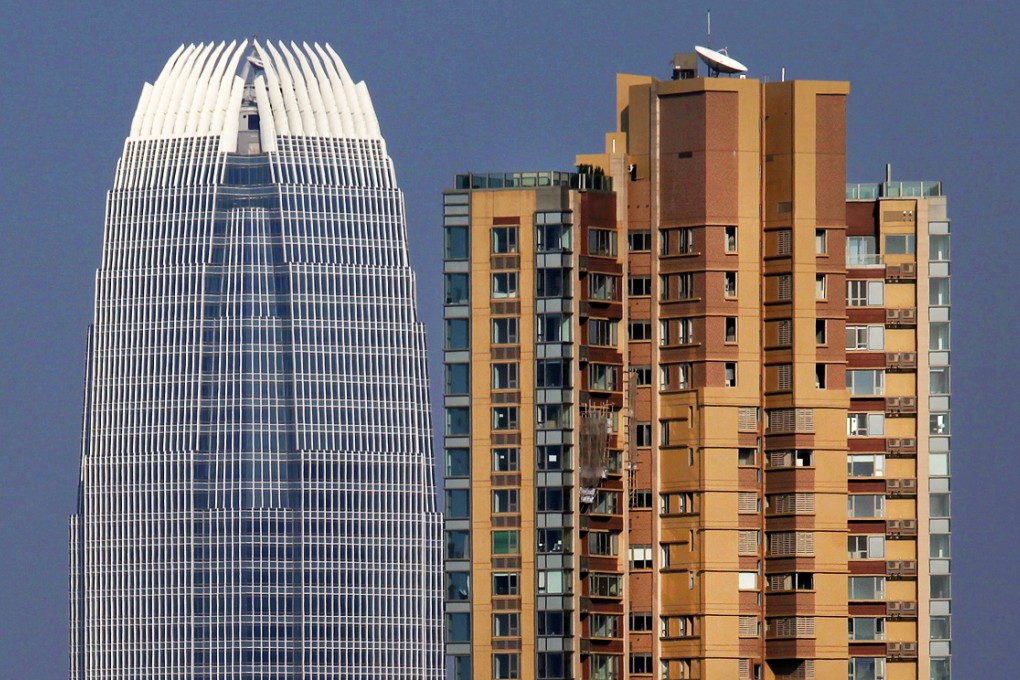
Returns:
point(863, 259)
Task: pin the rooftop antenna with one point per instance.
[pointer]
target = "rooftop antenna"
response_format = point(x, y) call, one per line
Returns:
point(709, 29)
point(718, 61)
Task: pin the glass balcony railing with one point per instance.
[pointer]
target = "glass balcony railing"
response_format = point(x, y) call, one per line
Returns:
point(863, 259)
point(513, 180)
point(864, 191)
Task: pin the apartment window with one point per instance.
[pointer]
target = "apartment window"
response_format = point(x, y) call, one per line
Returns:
point(641, 664)
point(939, 546)
point(458, 503)
point(551, 499)
point(639, 556)
point(865, 424)
point(505, 583)
point(871, 338)
point(505, 376)
point(866, 588)
point(505, 459)
point(457, 379)
point(790, 543)
point(778, 583)
point(731, 239)
point(938, 505)
point(603, 543)
point(458, 627)
point(505, 500)
point(820, 245)
point(820, 376)
point(639, 330)
point(458, 462)
point(866, 668)
point(457, 289)
point(820, 293)
point(938, 423)
point(506, 666)
point(940, 587)
point(551, 457)
point(550, 234)
point(506, 542)
point(863, 383)
point(641, 498)
point(865, 293)
point(938, 291)
point(730, 284)
point(730, 369)
point(456, 545)
point(605, 585)
point(784, 377)
point(552, 623)
point(748, 541)
point(784, 287)
point(504, 330)
point(865, 547)
point(553, 416)
point(643, 434)
point(504, 239)
point(641, 621)
point(730, 332)
point(639, 241)
point(458, 421)
point(676, 241)
point(554, 582)
point(602, 332)
point(784, 242)
point(602, 242)
point(455, 243)
point(639, 286)
point(506, 625)
point(604, 626)
point(747, 457)
point(552, 373)
point(865, 506)
point(938, 381)
point(505, 418)
point(553, 327)
point(504, 285)
point(865, 465)
point(550, 540)
point(457, 585)
point(457, 336)
point(676, 287)
point(938, 248)
point(606, 503)
point(861, 251)
point(601, 287)
point(747, 580)
point(866, 628)
point(900, 244)
point(821, 335)
point(605, 667)
point(552, 283)
point(938, 335)
point(642, 375)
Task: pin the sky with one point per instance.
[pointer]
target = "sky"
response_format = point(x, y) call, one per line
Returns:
point(481, 87)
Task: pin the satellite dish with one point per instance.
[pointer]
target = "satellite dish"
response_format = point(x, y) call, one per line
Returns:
point(719, 62)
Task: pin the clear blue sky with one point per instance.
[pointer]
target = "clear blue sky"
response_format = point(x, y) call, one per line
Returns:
point(501, 86)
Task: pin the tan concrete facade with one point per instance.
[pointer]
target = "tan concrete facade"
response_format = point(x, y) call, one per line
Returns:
point(744, 522)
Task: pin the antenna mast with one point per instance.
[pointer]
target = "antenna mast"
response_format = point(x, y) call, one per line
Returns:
point(709, 29)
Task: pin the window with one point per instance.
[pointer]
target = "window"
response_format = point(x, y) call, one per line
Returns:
point(553, 623)
point(458, 421)
point(553, 328)
point(553, 416)
point(938, 423)
point(865, 465)
point(866, 628)
point(602, 242)
point(506, 542)
point(639, 286)
point(939, 546)
point(457, 334)
point(550, 540)
point(938, 381)
point(505, 583)
point(641, 663)
point(505, 459)
point(865, 547)
point(784, 241)
point(820, 287)
point(605, 667)
point(554, 582)
point(685, 240)
point(938, 505)
point(458, 627)
point(457, 585)
point(456, 287)
point(639, 330)
point(788, 582)
point(643, 434)
point(865, 293)
point(731, 239)
point(866, 668)
point(504, 330)
point(505, 500)
point(552, 283)
point(551, 499)
point(748, 541)
point(553, 665)
point(730, 333)
point(505, 418)
point(820, 376)
point(504, 285)
point(602, 332)
point(784, 376)
point(552, 237)
point(639, 556)
point(865, 424)
point(456, 545)
point(505, 376)
point(865, 338)
point(639, 241)
point(866, 587)
point(861, 251)
point(642, 375)
point(747, 580)
point(641, 621)
point(820, 334)
point(604, 625)
point(938, 250)
point(940, 628)
point(899, 244)
point(458, 503)
point(504, 239)
point(730, 284)
point(506, 666)
point(790, 543)
point(601, 287)
point(552, 373)
point(940, 587)
point(860, 506)
point(641, 498)
point(605, 585)
point(458, 463)
point(606, 503)
point(455, 243)
point(820, 245)
point(730, 377)
point(506, 625)
point(866, 382)
point(938, 335)
point(747, 457)
point(603, 543)
point(938, 292)
point(551, 457)
point(457, 379)
point(784, 287)
point(784, 332)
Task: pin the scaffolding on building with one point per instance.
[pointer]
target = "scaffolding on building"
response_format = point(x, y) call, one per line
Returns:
point(594, 449)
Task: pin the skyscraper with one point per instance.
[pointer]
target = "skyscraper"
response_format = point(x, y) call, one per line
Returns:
point(662, 458)
point(256, 497)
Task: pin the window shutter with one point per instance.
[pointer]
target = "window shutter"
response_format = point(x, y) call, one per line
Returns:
point(876, 293)
point(876, 337)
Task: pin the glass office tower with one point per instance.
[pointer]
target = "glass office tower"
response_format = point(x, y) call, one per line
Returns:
point(256, 497)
